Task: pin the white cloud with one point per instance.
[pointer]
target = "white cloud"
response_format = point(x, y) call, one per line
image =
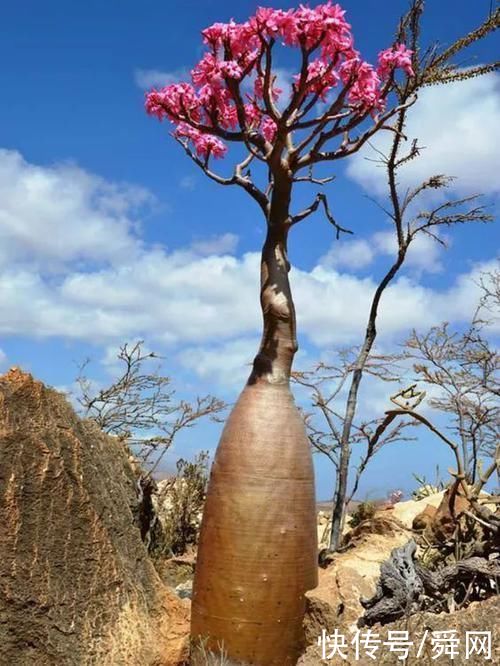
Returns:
point(224, 244)
point(199, 298)
point(156, 78)
point(227, 364)
point(185, 298)
point(3, 359)
point(62, 213)
point(459, 125)
point(423, 254)
point(351, 254)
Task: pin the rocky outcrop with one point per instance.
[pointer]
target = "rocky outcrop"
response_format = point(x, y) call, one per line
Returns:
point(353, 574)
point(76, 584)
point(407, 511)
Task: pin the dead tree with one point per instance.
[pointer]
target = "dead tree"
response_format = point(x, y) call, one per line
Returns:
point(405, 586)
point(140, 406)
point(462, 368)
point(432, 67)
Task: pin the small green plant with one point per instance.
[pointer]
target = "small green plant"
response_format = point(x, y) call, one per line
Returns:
point(364, 511)
point(426, 489)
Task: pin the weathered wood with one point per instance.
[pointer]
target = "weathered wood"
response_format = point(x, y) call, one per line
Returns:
point(398, 590)
point(405, 586)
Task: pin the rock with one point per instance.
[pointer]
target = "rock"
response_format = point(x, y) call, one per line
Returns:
point(354, 573)
point(444, 521)
point(324, 527)
point(176, 570)
point(383, 523)
point(185, 590)
point(424, 518)
point(481, 616)
point(77, 587)
point(405, 512)
point(319, 615)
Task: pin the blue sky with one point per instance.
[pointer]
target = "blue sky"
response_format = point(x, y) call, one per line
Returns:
point(109, 234)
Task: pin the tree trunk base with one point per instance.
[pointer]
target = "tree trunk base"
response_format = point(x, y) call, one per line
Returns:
point(257, 553)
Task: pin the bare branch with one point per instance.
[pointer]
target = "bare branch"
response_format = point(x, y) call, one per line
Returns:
point(140, 407)
point(320, 199)
point(236, 179)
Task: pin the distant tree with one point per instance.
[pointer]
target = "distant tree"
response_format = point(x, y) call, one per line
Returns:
point(141, 407)
point(180, 502)
point(324, 419)
point(430, 67)
point(463, 370)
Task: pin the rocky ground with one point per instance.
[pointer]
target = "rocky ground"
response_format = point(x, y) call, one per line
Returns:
point(77, 586)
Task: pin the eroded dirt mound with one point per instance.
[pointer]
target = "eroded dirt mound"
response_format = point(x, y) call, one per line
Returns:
point(76, 584)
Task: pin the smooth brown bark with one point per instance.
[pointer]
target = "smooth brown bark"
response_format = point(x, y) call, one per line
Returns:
point(257, 554)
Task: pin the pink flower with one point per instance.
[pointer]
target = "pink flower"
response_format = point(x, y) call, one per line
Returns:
point(234, 61)
point(231, 69)
point(176, 101)
point(205, 144)
point(207, 71)
point(395, 496)
point(252, 114)
point(259, 89)
point(397, 57)
point(320, 79)
point(365, 87)
point(268, 128)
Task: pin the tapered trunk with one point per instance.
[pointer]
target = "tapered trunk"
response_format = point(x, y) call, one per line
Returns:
point(257, 554)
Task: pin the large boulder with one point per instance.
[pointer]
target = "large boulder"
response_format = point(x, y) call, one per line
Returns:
point(76, 584)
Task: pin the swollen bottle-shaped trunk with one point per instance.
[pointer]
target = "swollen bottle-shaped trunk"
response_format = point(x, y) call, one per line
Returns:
point(257, 554)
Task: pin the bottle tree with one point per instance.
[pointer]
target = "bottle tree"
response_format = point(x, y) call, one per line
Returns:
point(257, 553)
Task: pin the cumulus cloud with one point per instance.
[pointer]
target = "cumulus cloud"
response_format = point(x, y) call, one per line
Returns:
point(423, 254)
point(226, 364)
point(224, 244)
point(185, 298)
point(459, 125)
point(202, 299)
point(57, 214)
point(351, 254)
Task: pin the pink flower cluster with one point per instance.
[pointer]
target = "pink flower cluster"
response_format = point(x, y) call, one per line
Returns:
point(231, 73)
point(323, 26)
point(321, 77)
point(398, 57)
point(205, 144)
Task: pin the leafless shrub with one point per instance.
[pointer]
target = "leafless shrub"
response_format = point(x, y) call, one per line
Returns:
point(141, 407)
